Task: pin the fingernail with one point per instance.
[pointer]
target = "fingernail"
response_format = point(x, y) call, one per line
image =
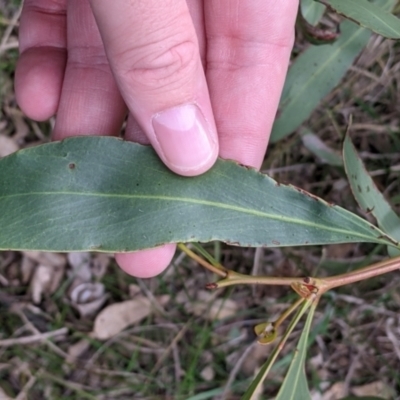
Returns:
point(185, 137)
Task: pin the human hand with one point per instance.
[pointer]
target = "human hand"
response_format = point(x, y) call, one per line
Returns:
point(199, 78)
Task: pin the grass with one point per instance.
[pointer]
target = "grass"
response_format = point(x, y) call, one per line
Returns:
point(178, 354)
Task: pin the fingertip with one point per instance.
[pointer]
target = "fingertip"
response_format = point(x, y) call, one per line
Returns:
point(146, 263)
point(38, 81)
point(161, 77)
point(185, 139)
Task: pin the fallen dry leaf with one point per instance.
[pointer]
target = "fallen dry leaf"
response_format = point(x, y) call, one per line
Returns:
point(116, 317)
point(27, 269)
point(99, 265)
point(47, 276)
point(45, 280)
point(48, 259)
point(86, 268)
point(7, 146)
point(40, 282)
point(336, 391)
point(208, 373)
point(88, 298)
point(256, 357)
point(22, 129)
point(80, 266)
point(134, 290)
point(3, 395)
point(211, 308)
point(378, 389)
point(76, 350)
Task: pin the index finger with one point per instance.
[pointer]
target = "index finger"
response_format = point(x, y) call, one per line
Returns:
point(248, 50)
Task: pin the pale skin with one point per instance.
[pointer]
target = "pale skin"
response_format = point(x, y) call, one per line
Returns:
point(198, 79)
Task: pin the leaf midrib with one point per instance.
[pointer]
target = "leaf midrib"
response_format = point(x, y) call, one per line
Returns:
point(197, 201)
point(321, 69)
point(378, 18)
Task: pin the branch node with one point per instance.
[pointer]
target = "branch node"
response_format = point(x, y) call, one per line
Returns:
point(212, 285)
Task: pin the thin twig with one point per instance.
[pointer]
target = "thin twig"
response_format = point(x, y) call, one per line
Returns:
point(153, 301)
point(8, 30)
point(371, 271)
point(235, 371)
point(36, 331)
point(176, 339)
point(392, 337)
point(23, 394)
point(80, 389)
point(9, 46)
point(33, 338)
point(177, 364)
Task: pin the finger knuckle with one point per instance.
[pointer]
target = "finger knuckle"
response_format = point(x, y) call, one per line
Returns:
point(157, 66)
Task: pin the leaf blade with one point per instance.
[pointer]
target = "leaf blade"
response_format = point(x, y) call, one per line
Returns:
point(367, 195)
point(314, 74)
point(295, 386)
point(315, 145)
point(105, 194)
point(368, 15)
point(257, 383)
point(312, 11)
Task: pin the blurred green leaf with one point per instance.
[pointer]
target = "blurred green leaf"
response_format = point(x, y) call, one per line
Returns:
point(106, 194)
point(314, 144)
point(314, 74)
point(369, 198)
point(362, 398)
point(295, 386)
point(312, 11)
point(367, 14)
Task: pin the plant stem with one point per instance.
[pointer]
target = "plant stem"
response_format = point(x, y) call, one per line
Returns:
point(203, 252)
point(371, 271)
point(287, 312)
point(217, 269)
point(234, 278)
point(322, 285)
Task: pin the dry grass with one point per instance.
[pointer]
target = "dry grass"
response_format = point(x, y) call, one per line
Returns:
point(48, 349)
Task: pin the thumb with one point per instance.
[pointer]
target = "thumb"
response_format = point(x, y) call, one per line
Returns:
point(153, 51)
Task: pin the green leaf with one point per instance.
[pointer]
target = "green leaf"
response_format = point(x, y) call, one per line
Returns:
point(314, 144)
point(295, 386)
point(369, 198)
point(106, 194)
point(367, 14)
point(312, 11)
point(258, 381)
point(362, 398)
point(314, 74)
